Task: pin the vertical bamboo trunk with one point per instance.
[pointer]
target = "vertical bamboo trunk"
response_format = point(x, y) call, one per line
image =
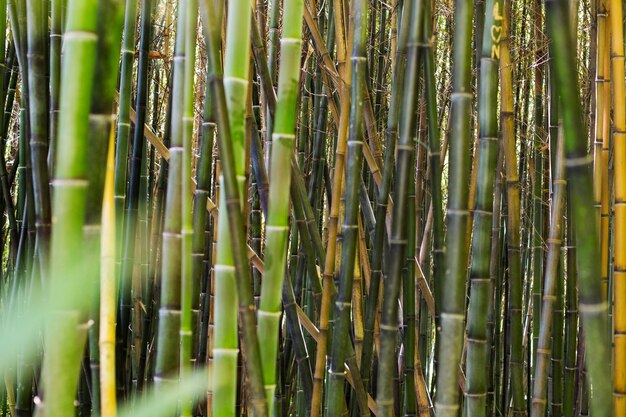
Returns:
point(607, 178)
point(130, 284)
point(277, 227)
point(107, 293)
point(63, 336)
point(38, 116)
point(516, 357)
point(571, 322)
point(619, 148)
point(456, 250)
point(333, 214)
point(189, 286)
point(477, 353)
point(101, 126)
point(554, 242)
point(592, 307)
point(599, 163)
point(123, 122)
point(273, 36)
point(343, 306)
point(56, 11)
point(232, 182)
point(435, 161)
point(391, 134)
point(405, 167)
point(225, 345)
point(168, 339)
point(537, 183)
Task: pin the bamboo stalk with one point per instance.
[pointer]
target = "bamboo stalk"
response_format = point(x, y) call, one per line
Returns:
point(456, 256)
point(544, 348)
point(63, 336)
point(397, 237)
point(593, 308)
point(189, 286)
point(342, 311)
point(277, 227)
point(513, 230)
point(476, 369)
point(107, 292)
point(619, 148)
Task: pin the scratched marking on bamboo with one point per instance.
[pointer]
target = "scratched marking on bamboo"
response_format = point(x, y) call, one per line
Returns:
point(496, 31)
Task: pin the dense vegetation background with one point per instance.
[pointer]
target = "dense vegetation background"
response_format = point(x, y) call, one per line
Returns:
point(306, 207)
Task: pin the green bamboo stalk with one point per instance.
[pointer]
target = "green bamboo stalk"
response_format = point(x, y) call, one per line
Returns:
point(274, 10)
point(157, 235)
point(63, 337)
point(38, 117)
point(544, 347)
point(204, 175)
point(8, 77)
point(305, 225)
point(409, 393)
point(189, 286)
point(232, 206)
point(391, 136)
point(100, 130)
point(571, 322)
point(278, 208)
point(494, 296)
point(434, 159)
point(236, 68)
point(56, 36)
point(556, 362)
point(130, 284)
point(298, 191)
point(593, 309)
point(18, 20)
point(537, 184)
point(299, 347)
point(480, 291)
point(123, 121)
point(456, 250)
point(144, 291)
point(397, 237)
point(167, 364)
point(139, 285)
point(342, 311)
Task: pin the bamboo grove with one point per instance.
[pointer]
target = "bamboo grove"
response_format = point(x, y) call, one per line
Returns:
point(312, 208)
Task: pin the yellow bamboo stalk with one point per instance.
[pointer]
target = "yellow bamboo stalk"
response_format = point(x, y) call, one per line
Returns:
point(619, 143)
point(333, 216)
point(357, 301)
point(107, 291)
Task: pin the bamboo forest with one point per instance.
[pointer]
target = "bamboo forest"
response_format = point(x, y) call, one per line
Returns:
point(342, 208)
